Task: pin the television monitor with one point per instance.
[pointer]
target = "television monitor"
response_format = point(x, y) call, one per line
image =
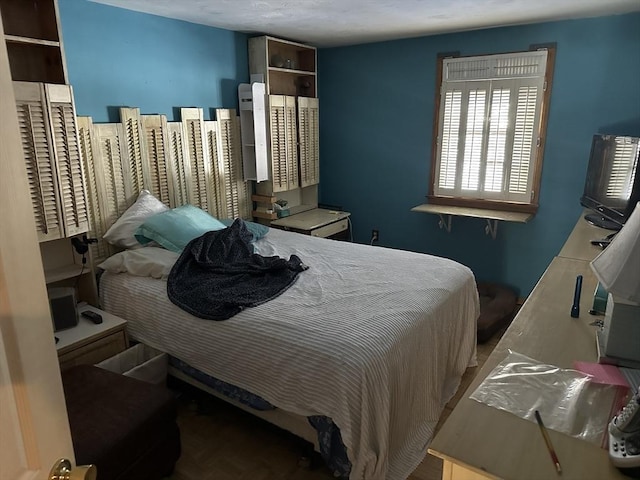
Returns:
point(612, 186)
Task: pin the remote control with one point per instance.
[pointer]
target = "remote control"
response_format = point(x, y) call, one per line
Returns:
point(93, 316)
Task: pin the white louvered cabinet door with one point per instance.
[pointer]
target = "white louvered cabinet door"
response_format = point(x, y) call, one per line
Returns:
point(40, 159)
point(155, 136)
point(284, 148)
point(308, 130)
point(71, 183)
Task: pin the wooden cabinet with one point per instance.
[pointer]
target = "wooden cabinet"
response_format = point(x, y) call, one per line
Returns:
point(288, 70)
point(34, 43)
point(50, 143)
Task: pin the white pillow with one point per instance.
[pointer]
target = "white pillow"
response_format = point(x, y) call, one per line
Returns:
point(153, 262)
point(121, 233)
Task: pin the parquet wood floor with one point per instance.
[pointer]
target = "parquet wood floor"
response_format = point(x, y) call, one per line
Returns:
point(220, 442)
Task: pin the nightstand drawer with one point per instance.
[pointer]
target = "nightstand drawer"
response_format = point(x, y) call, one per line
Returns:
point(331, 229)
point(94, 352)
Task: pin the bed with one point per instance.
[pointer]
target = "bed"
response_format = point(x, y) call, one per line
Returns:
point(375, 339)
point(368, 344)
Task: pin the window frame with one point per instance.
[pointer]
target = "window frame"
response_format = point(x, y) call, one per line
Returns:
point(511, 206)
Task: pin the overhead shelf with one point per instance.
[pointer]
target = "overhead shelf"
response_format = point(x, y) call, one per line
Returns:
point(491, 216)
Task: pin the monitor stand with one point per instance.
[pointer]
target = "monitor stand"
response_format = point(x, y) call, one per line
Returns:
point(599, 221)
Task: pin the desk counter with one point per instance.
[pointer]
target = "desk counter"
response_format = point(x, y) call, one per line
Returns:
point(478, 441)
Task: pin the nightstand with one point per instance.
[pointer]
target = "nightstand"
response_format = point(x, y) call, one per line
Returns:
point(317, 222)
point(88, 343)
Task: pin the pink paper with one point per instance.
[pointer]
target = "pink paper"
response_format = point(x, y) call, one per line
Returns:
point(602, 373)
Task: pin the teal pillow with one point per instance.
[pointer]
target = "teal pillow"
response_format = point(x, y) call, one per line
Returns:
point(175, 228)
point(257, 230)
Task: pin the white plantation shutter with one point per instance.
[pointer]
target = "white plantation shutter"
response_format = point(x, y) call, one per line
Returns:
point(197, 156)
point(117, 191)
point(134, 149)
point(308, 129)
point(95, 187)
point(71, 181)
point(39, 158)
point(236, 194)
point(216, 183)
point(178, 166)
point(488, 124)
point(155, 137)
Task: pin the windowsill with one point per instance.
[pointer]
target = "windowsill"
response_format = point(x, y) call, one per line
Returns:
point(518, 217)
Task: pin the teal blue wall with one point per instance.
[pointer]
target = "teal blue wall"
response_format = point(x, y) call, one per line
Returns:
point(117, 57)
point(376, 107)
point(376, 104)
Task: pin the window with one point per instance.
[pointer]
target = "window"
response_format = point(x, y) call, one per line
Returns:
point(491, 118)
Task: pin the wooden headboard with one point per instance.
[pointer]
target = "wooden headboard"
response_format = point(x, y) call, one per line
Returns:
point(192, 161)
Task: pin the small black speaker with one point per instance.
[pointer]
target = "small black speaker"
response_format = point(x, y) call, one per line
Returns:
point(64, 312)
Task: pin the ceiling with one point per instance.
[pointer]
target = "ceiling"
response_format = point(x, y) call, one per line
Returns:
point(327, 23)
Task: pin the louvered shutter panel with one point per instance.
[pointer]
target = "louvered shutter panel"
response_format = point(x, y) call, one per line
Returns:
point(490, 111)
point(39, 158)
point(117, 193)
point(197, 156)
point(308, 129)
point(216, 182)
point(155, 135)
point(284, 148)
point(236, 192)
point(278, 143)
point(293, 171)
point(178, 165)
point(134, 149)
point(71, 181)
point(95, 188)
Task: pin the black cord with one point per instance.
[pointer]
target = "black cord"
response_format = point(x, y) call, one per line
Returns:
point(84, 261)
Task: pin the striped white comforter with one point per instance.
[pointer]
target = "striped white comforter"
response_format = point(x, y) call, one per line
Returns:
point(374, 338)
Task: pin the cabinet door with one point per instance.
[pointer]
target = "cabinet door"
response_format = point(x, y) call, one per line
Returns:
point(66, 144)
point(40, 160)
point(309, 141)
point(284, 142)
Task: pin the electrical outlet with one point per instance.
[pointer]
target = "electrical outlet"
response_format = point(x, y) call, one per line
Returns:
point(375, 235)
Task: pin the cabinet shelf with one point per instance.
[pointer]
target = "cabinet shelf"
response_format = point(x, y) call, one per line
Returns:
point(64, 272)
point(292, 71)
point(31, 41)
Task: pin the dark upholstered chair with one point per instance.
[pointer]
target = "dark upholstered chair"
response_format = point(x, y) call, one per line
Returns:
point(497, 304)
point(126, 427)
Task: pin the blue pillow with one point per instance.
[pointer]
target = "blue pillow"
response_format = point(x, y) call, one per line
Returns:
point(175, 228)
point(257, 229)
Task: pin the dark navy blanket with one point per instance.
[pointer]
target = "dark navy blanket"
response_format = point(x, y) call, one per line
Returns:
point(218, 275)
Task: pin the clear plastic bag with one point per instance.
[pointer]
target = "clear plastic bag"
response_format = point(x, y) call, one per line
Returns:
point(567, 401)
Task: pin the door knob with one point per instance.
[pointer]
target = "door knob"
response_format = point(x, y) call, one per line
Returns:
point(62, 470)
